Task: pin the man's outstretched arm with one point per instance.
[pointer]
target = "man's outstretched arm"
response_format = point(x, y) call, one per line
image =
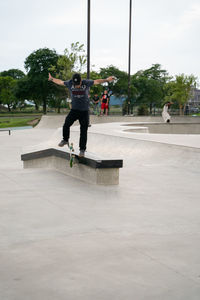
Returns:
point(100, 81)
point(55, 80)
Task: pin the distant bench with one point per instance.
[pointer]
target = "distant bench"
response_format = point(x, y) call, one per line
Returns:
point(9, 130)
point(90, 168)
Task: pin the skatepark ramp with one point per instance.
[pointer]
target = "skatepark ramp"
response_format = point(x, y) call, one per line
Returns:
point(56, 121)
point(51, 122)
point(168, 128)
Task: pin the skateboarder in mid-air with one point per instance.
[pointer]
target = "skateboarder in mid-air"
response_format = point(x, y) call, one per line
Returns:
point(79, 90)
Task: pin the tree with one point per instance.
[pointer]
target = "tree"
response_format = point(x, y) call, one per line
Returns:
point(156, 73)
point(150, 85)
point(76, 57)
point(179, 90)
point(25, 90)
point(7, 97)
point(73, 60)
point(37, 65)
point(14, 73)
point(57, 98)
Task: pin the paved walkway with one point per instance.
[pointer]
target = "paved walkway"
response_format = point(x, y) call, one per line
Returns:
point(64, 239)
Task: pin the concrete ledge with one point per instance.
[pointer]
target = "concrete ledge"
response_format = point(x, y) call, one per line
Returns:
point(89, 169)
point(9, 130)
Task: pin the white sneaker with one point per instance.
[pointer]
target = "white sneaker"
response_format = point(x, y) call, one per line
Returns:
point(81, 153)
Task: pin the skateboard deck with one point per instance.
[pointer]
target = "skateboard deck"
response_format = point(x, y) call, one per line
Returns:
point(72, 155)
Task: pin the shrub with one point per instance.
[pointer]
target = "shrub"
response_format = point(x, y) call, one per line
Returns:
point(143, 110)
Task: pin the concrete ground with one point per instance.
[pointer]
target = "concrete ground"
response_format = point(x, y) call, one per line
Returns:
point(64, 239)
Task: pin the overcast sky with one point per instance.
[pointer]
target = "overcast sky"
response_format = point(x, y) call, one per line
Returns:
point(164, 32)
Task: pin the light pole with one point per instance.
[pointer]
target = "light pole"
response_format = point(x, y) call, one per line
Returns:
point(129, 56)
point(88, 41)
point(88, 51)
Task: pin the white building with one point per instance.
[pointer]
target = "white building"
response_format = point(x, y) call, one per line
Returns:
point(195, 99)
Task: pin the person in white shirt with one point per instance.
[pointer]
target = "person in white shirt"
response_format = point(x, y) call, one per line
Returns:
point(165, 114)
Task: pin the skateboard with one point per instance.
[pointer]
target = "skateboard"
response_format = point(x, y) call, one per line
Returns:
point(72, 155)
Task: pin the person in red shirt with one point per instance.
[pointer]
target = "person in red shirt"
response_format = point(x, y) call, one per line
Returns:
point(104, 102)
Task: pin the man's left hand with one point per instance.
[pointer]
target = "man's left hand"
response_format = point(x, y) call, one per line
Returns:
point(110, 79)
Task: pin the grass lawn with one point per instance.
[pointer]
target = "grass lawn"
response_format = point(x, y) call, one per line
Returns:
point(18, 122)
point(13, 114)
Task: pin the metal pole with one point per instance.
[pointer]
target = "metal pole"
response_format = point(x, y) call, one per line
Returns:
point(129, 55)
point(88, 42)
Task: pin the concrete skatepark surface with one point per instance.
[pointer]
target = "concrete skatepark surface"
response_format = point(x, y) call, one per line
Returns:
point(64, 239)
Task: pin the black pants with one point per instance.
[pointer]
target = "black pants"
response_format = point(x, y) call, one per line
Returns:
point(83, 117)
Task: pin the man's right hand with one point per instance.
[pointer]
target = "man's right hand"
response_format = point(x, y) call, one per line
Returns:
point(50, 77)
point(55, 80)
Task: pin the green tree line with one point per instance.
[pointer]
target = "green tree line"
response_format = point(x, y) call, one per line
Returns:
point(151, 87)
